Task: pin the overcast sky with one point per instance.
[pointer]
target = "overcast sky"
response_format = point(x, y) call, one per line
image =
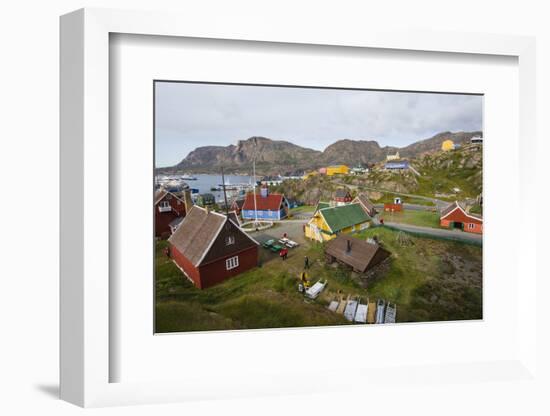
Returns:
point(193, 115)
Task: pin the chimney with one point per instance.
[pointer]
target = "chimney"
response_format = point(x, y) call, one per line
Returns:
point(187, 200)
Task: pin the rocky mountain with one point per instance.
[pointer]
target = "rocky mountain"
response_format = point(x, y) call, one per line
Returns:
point(272, 156)
point(279, 157)
point(356, 152)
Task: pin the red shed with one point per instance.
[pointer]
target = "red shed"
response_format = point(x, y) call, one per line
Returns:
point(210, 248)
point(454, 216)
point(342, 196)
point(170, 208)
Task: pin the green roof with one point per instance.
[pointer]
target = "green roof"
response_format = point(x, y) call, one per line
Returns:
point(322, 205)
point(344, 216)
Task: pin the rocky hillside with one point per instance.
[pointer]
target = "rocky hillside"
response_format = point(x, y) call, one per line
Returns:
point(280, 157)
point(434, 143)
point(443, 175)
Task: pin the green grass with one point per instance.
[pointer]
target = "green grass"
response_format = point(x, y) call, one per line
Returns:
point(420, 218)
point(267, 296)
point(302, 209)
point(423, 281)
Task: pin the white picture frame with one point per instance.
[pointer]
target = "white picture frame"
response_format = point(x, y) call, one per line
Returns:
point(85, 216)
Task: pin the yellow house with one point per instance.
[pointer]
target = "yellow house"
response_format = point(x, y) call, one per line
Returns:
point(328, 221)
point(447, 145)
point(337, 170)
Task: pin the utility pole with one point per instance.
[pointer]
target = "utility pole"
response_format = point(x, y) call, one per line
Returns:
point(255, 183)
point(225, 195)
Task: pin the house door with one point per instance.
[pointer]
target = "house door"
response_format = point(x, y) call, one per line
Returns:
point(458, 225)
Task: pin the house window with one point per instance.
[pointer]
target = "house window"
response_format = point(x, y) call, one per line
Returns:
point(164, 204)
point(471, 226)
point(230, 239)
point(232, 262)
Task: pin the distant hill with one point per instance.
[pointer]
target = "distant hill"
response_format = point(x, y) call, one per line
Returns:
point(279, 157)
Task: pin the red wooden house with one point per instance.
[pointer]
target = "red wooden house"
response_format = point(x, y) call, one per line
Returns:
point(170, 208)
point(210, 248)
point(342, 196)
point(454, 216)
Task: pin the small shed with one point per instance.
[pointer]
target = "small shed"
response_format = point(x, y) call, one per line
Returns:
point(358, 254)
point(396, 206)
point(342, 196)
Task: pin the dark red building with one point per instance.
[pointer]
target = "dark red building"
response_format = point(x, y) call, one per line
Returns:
point(342, 196)
point(366, 204)
point(209, 248)
point(170, 209)
point(454, 216)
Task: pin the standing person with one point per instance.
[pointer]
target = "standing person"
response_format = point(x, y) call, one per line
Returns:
point(284, 253)
point(306, 262)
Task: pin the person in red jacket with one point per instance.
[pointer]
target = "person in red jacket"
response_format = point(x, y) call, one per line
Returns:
point(283, 253)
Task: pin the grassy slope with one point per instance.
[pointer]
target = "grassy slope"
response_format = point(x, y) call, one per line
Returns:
point(430, 280)
point(420, 218)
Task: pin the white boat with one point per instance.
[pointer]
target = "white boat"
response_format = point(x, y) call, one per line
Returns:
point(314, 291)
point(333, 305)
point(391, 312)
point(186, 177)
point(351, 308)
point(361, 314)
point(380, 309)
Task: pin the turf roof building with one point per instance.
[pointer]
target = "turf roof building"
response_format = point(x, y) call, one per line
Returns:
point(209, 248)
point(357, 254)
point(329, 221)
point(454, 216)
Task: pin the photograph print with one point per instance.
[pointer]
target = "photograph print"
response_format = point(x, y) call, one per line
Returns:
point(289, 206)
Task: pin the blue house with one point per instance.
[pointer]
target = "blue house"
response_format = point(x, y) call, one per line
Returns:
point(397, 165)
point(265, 207)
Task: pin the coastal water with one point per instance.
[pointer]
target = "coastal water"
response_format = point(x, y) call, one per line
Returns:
point(204, 183)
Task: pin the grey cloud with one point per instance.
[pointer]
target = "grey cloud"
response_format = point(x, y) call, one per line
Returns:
point(192, 115)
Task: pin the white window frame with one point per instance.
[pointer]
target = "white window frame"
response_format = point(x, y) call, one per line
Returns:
point(232, 263)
